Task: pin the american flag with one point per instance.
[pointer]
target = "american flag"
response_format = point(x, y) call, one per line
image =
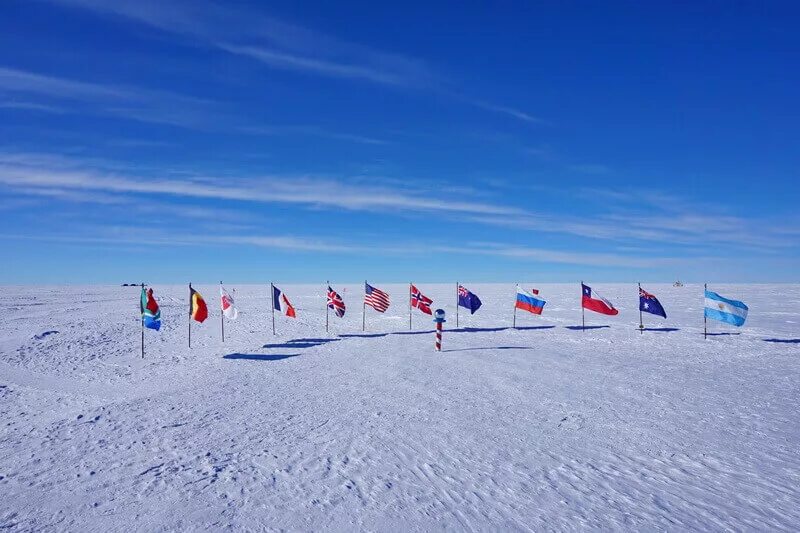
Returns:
point(335, 302)
point(376, 298)
point(420, 301)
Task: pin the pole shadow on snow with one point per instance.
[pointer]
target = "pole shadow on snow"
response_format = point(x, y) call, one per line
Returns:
point(491, 348)
point(723, 334)
point(783, 341)
point(429, 331)
point(260, 356)
point(300, 343)
point(662, 330)
point(581, 328)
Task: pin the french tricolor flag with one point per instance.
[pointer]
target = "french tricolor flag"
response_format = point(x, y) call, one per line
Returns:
point(529, 302)
point(281, 303)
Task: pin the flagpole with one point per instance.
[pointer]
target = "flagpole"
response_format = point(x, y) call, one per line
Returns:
point(409, 305)
point(221, 314)
point(705, 318)
point(583, 311)
point(141, 319)
point(364, 309)
point(328, 283)
point(272, 299)
point(515, 310)
point(641, 322)
point(456, 304)
point(190, 314)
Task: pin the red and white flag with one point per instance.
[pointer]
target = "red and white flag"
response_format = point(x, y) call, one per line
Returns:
point(226, 301)
point(420, 301)
point(596, 303)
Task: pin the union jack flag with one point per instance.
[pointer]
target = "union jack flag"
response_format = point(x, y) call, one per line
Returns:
point(376, 298)
point(335, 302)
point(420, 301)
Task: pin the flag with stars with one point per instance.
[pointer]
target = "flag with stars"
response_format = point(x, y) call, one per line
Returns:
point(650, 304)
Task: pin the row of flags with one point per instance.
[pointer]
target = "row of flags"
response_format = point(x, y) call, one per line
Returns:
point(716, 307)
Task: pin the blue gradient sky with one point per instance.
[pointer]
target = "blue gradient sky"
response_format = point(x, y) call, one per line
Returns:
point(167, 140)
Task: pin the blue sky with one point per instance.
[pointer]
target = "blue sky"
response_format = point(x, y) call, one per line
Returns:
point(168, 141)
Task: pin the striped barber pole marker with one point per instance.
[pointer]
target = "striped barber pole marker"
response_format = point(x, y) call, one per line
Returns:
point(438, 336)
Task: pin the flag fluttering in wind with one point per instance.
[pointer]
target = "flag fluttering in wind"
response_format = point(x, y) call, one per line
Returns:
point(281, 303)
point(420, 301)
point(227, 304)
point(335, 302)
point(151, 314)
point(650, 304)
point(469, 300)
point(529, 301)
point(725, 310)
point(596, 303)
point(198, 309)
point(376, 298)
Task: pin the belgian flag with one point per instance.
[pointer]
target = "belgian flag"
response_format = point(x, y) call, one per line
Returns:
point(197, 306)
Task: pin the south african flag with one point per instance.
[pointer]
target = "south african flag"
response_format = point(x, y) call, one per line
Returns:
point(151, 314)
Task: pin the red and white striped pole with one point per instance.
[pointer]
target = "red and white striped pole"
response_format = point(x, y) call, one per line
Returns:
point(439, 319)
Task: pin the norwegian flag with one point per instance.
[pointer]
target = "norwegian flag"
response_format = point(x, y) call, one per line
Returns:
point(335, 302)
point(420, 301)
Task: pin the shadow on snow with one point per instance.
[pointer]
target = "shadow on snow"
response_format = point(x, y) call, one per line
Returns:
point(581, 328)
point(723, 334)
point(300, 343)
point(491, 348)
point(455, 330)
point(260, 356)
point(660, 329)
point(784, 341)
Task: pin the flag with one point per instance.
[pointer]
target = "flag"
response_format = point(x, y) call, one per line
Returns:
point(197, 306)
point(598, 304)
point(725, 310)
point(420, 301)
point(151, 314)
point(281, 303)
point(529, 302)
point(650, 304)
point(226, 301)
point(468, 300)
point(376, 298)
point(335, 302)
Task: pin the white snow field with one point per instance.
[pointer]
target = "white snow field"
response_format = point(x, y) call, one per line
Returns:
point(538, 428)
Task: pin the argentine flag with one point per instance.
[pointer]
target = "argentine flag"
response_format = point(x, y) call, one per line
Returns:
point(725, 310)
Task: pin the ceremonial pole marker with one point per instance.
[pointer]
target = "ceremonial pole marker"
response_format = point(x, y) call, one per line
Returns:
point(438, 318)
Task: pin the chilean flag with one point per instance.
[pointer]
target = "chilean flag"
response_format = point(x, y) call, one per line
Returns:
point(598, 304)
point(281, 303)
point(529, 302)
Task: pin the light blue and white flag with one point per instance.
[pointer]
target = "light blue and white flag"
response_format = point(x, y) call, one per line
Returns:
point(725, 310)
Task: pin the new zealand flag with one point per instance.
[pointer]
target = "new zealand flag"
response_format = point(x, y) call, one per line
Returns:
point(468, 300)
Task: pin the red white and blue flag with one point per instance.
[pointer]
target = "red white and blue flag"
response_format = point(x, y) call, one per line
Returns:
point(529, 301)
point(376, 298)
point(595, 302)
point(335, 302)
point(281, 303)
point(420, 301)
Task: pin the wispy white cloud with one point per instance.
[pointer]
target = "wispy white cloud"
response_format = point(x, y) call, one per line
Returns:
point(32, 106)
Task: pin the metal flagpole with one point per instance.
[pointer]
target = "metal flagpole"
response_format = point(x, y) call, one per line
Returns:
point(515, 310)
point(583, 311)
point(328, 283)
point(141, 318)
point(190, 314)
point(272, 299)
point(641, 322)
point(221, 315)
point(457, 285)
point(409, 305)
point(705, 318)
point(364, 309)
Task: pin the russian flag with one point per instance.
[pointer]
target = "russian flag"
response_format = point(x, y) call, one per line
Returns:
point(529, 302)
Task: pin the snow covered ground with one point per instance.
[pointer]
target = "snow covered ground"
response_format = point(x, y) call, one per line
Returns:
point(543, 427)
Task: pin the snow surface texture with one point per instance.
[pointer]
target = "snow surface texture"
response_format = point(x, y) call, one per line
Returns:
point(543, 427)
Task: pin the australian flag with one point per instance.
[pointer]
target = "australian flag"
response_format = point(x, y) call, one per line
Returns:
point(468, 300)
point(650, 304)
